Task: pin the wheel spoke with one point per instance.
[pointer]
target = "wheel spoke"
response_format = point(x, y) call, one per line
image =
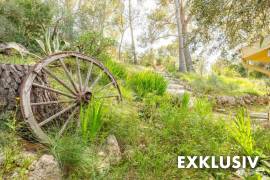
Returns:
point(96, 81)
point(68, 75)
point(50, 102)
point(54, 90)
point(59, 80)
point(88, 76)
point(79, 73)
point(68, 121)
point(104, 87)
point(57, 115)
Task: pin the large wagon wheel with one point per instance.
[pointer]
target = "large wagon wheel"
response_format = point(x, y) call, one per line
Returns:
point(72, 80)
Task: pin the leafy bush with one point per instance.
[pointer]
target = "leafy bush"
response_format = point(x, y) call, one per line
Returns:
point(147, 82)
point(24, 20)
point(95, 44)
point(91, 120)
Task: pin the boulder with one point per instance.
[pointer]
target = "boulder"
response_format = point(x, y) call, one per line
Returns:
point(109, 154)
point(46, 168)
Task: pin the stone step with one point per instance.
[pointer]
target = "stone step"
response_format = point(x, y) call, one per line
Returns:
point(175, 86)
point(177, 92)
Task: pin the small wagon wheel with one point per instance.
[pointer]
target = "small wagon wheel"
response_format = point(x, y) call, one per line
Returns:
point(71, 80)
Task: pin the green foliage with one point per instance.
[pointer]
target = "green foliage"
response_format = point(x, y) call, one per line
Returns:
point(147, 82)
point(241, 132)
point(72, 154)
point(261, 136)
point(185, 101)
point(203, 108)
point(167, 129)
point(226, 68)
point(23, 21)
point(148, 59)
point(242, 17)
point(95, 44)
point(11, 149)
point(91, 120)
point(15, 161)
point(224, 85)
point(118, 70)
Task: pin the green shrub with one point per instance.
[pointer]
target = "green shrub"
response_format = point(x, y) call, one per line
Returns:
point(95, 44)
point(24, 20)
point(91, 120)
point(147, 82)
point(118, 70)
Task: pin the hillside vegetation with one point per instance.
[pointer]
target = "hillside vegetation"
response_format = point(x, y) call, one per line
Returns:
point(152, 128)
point(127, 86)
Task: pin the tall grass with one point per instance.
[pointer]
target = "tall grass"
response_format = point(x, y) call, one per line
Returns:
point(147, 82)
point(73, 155)
point(185, 101)
point(91, 120)
point(203, 108)
point(117, 69)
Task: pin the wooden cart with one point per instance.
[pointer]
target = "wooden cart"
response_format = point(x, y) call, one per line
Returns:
point(55, 89)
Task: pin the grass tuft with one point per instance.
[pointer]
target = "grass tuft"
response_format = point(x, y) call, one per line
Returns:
point(91, 120)
point(147, 82)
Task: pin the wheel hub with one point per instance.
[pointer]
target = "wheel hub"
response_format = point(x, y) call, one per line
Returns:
point(85, 97)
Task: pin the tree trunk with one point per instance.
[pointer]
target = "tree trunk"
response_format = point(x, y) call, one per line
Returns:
point(11, 78)
point(188, 59)
point(181, 52)
point(120, 47)
point(184, 22)
point(132, 33)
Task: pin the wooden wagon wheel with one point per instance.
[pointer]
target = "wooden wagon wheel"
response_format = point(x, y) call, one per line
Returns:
point(73, 80)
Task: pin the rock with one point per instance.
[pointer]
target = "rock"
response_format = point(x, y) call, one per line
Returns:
point(46, 168)
point(228, 100)
point(245, 100)
point(113, 149)
point(109, 154)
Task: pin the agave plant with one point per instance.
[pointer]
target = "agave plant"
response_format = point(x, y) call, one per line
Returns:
point(51, 43)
